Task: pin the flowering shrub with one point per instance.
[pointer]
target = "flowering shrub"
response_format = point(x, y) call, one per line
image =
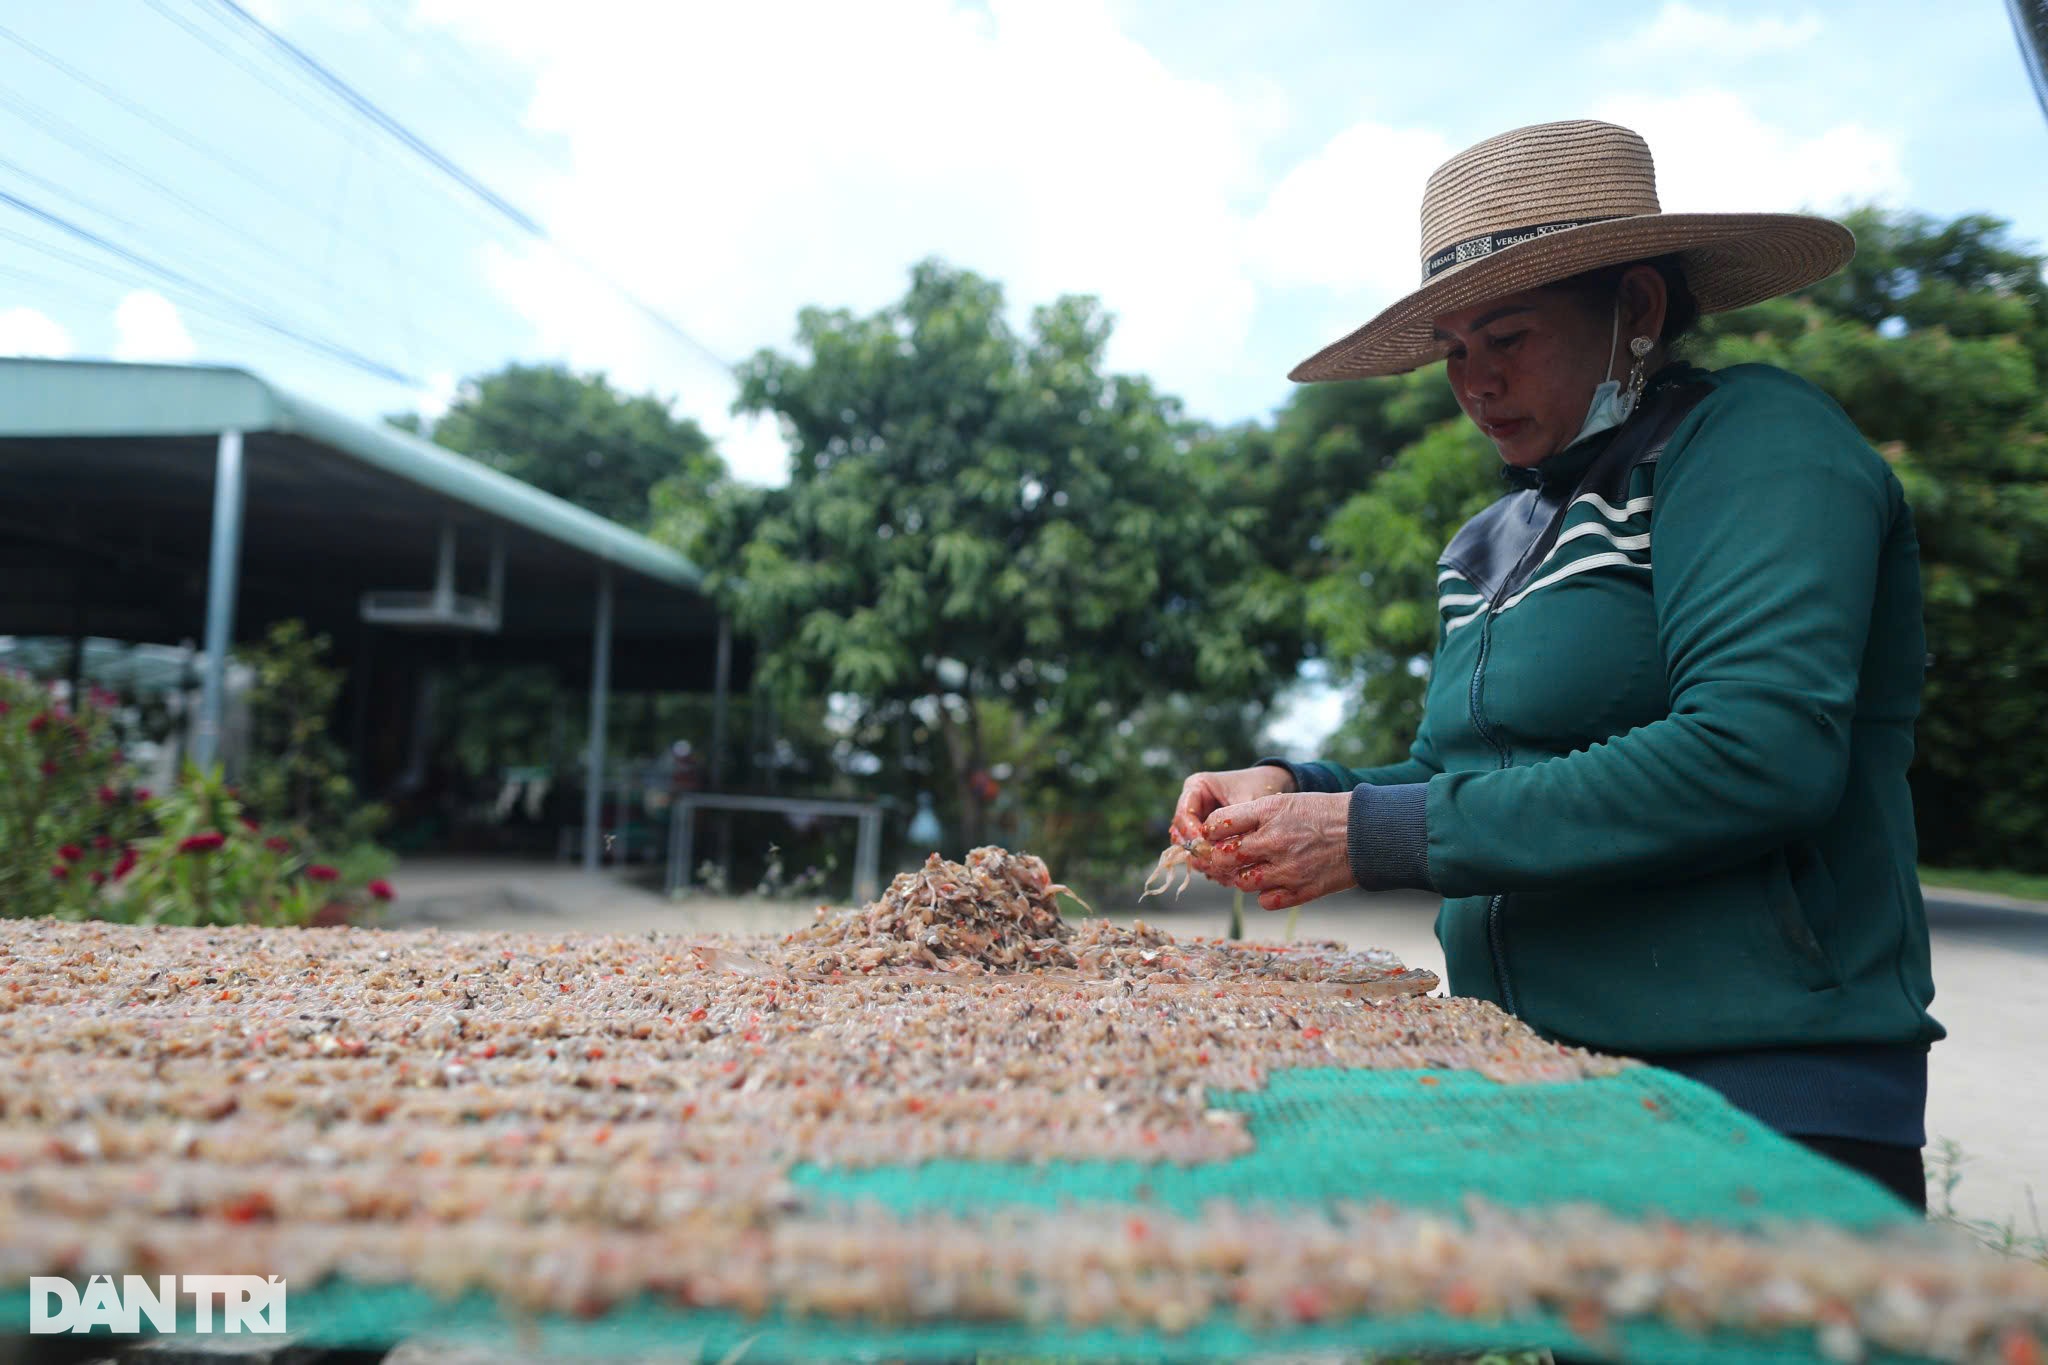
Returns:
point(67, 816)
point(210, 862)
point(78, 841)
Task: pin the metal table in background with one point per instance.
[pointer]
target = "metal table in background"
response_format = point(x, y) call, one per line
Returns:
point(867, 854)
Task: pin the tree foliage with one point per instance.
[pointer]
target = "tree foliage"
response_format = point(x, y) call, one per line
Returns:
point(577, 437)
point(988, 537)
point(1935, 342)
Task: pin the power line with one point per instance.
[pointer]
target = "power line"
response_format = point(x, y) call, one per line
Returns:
point(488, 94)
point(120, 279)
point(267, 184)
point(369, 110)
point(69, 134)
point(83, 142)
point(228, 54)
point(334, 349)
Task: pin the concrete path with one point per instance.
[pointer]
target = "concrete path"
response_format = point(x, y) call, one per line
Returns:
point(1988, 1086)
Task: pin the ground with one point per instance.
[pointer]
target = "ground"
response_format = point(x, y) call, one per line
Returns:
point(1990, 971)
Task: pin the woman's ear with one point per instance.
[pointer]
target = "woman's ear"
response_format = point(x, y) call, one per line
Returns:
point(1644, 300)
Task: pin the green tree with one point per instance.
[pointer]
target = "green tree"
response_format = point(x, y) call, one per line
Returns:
point(986, 536)
point(577, 437)
point(297, 775)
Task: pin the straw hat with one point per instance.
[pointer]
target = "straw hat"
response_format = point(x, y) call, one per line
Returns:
point(1541, 204)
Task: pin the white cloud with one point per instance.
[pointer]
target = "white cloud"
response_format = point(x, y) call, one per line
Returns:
point(1681, 31)
point(434, 400)
point(1714, 153)
point(733, 175)
point(147, 327)
point(1349, 216)
point(737, 163)
point(26, 332)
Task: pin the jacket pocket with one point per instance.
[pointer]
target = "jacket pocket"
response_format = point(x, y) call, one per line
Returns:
point(1794, 875)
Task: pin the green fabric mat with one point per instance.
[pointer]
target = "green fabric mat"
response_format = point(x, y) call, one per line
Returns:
point(1639, 1144)
point(371, 1316)
point(1643, 1143)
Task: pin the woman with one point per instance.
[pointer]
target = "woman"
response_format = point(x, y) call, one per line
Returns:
point(1660, 777)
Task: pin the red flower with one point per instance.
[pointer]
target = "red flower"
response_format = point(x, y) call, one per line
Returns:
point(202, 843)
point(60, 872)
point(142, 793)
point(249, 823)
point(277, 843)
point(49, 767)
point(102, 842)
point(321, 872)
point(126, 865)
point(381, 889)
point(40, 723)
point(4, 708)
point(71, 853)
point(99, 878)
point(108, 796)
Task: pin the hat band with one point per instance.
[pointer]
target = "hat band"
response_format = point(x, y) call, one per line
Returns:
point(1472, 248)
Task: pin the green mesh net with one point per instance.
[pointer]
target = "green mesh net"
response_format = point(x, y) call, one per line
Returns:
point(1645, 1142)
point(1641, 1144)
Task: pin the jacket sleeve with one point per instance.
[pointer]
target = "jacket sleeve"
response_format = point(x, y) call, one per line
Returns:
point(1768, 528)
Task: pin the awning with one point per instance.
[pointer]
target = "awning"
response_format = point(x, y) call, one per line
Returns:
point(107, 508)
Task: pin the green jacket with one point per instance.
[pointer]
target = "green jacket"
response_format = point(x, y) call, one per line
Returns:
point(1661, 772)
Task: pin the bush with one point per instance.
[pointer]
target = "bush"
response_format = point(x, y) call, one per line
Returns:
point(68, 817)
point(211, 862)
point(296, 773)
point(79, 841)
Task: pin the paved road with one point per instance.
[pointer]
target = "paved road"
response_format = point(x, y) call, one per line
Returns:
point(1988, 1089)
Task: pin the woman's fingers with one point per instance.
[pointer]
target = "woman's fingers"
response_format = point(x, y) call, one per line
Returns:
point(1198, 799)
point(1235, 822)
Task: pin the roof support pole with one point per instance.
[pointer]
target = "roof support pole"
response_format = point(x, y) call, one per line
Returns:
point(223, 571)
point(600, 688)
point(720, 696)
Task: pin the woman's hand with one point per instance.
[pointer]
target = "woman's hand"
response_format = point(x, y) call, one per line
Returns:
point(1203, 794)
point(1290, 849)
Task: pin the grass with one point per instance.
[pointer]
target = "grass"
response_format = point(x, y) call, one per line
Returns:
point(1944, 1172)
point(2025, 885)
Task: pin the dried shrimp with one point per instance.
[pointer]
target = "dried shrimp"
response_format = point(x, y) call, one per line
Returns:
point(570, 1120)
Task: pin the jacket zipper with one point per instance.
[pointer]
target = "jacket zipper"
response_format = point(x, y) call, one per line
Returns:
point(1494, 933)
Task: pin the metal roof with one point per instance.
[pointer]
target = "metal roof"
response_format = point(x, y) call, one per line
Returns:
point(72, 398)
point(106, 500)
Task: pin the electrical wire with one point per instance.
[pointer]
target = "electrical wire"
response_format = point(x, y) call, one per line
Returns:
point(110, 275)
point(255, 73)
point(334, 349)
point(392, 127)
point(67, 133)
point(249, 175)
point(489, 96)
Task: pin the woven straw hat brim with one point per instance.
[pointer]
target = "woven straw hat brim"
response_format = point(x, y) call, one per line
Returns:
point(1731, 260)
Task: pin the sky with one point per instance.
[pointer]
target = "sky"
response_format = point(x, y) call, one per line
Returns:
point(1238, 182)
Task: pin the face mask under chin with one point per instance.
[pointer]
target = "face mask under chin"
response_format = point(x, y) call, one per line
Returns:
point(1610, 406)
